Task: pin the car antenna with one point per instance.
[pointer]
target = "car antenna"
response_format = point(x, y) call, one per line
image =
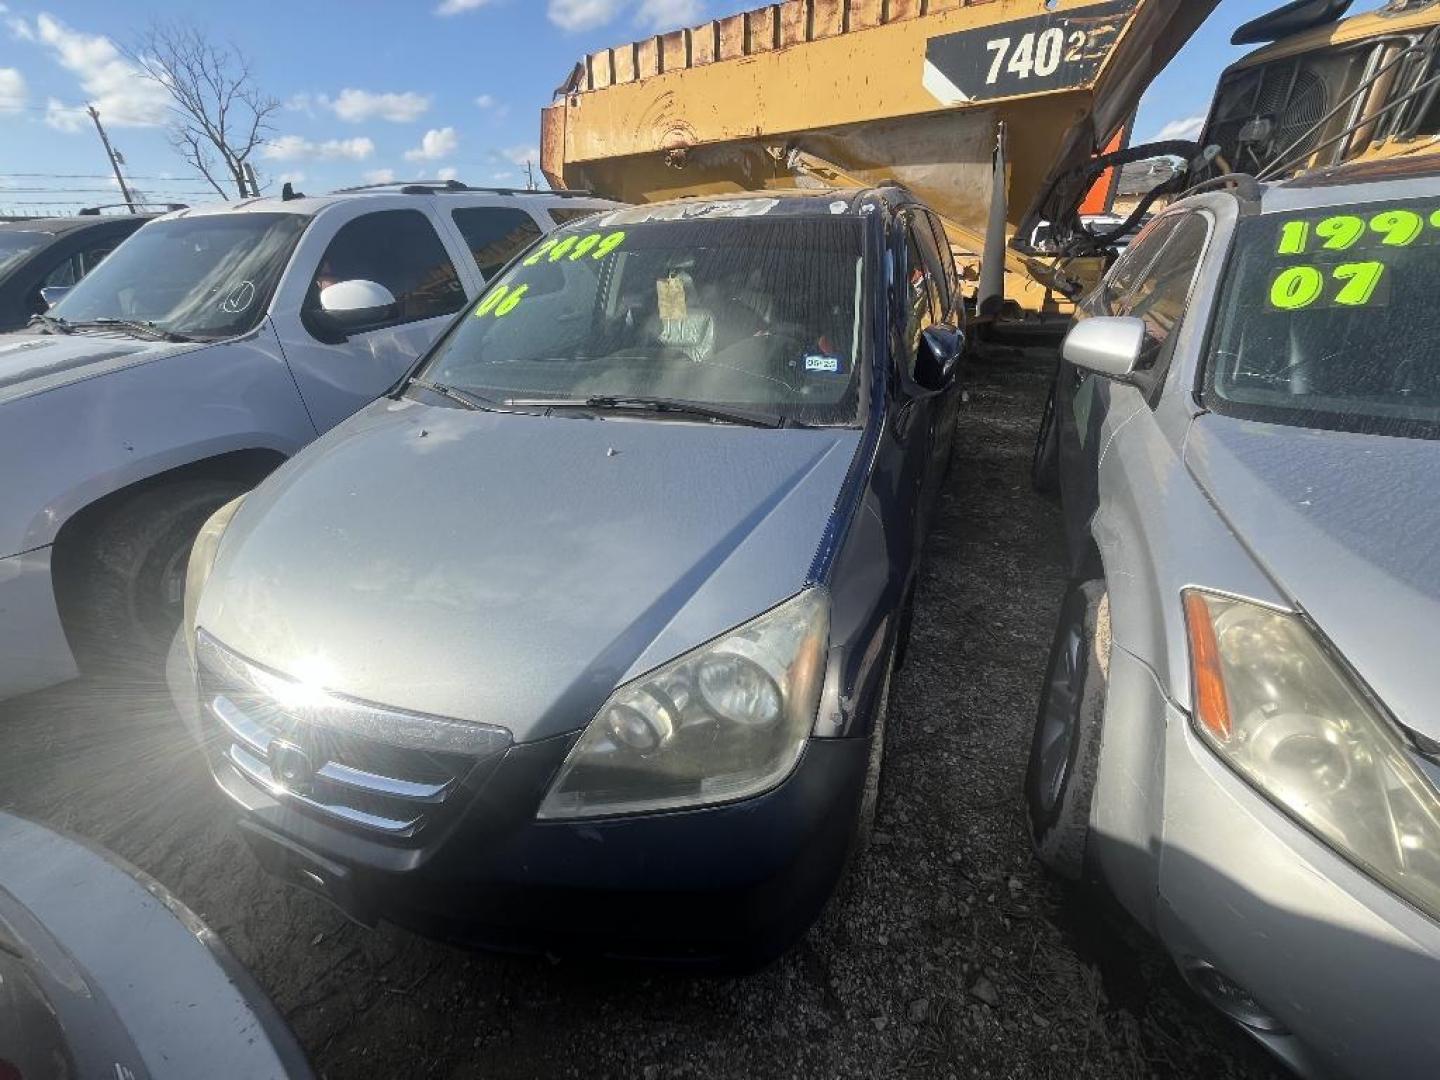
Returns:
point(288, 192)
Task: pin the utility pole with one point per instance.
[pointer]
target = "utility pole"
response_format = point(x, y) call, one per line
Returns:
point(529, 175)
point(114, 163)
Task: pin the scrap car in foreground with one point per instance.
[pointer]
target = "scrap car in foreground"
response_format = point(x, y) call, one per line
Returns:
point(1238, 733)
point(103, 973)
point(582, 638)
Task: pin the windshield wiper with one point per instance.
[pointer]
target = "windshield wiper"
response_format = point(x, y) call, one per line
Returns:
point(462, 397)
point(52, 322)
point(135, 327)
point(656, 404)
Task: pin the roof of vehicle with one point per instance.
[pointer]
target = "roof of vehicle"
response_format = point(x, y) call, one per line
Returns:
point(786, 202)
point(59, 226)
point(309, 205)
point(1366, 181)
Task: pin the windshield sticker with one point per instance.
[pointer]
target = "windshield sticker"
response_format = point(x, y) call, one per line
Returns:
point(501, 301)
point(828, 364)
point(239, 298)
point(1341, 232)
point(596, 245)
point(671, 292)
point(1357, 284)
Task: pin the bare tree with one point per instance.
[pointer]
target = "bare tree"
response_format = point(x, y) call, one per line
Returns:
point(218, 114)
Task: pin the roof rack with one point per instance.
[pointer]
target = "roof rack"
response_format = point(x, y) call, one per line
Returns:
point(455, 187)
point(133, 207)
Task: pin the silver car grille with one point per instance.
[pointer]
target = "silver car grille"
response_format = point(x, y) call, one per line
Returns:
point(377, 770)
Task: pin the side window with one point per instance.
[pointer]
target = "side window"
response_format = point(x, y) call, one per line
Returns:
point(92, 257)
point(63, 276)
point(400, 250)
point(495, 234)
point(950, 291)
point(1120, 281)
point(922, 293)
point(1160, 295)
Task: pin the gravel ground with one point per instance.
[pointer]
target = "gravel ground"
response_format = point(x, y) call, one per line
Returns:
point(948, 953)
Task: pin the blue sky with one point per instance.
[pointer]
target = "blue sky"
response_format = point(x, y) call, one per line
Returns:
point(372, 88)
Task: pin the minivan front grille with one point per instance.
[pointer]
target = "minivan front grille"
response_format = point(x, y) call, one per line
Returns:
point(377, 770)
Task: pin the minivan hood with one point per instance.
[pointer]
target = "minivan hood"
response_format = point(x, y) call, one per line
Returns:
point(1348, 526)
point(31, 362)
point(513, 569)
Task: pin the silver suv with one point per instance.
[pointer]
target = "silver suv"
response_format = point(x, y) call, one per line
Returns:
point(1238, 733)
point(207, 349)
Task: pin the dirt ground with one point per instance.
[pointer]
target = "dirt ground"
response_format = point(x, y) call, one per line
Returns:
point(948, 954)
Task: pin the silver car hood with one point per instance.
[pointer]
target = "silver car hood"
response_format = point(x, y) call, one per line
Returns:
point(514, 569)
point(1348, 526)
point(31, 362)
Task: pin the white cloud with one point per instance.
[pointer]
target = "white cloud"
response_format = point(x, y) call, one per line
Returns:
point(378, 176)
point(299, 148)
point(519, 155)
point(449, 172)
point(576, 15)
point(117, 88)
point(20, 29)
point(1188, 128)
point(12, 90)
point(459, 7)
point(436, 143)
point(66, 118)
point(485, 101)
point(659, 15)
point(654, 15)
point(356, 106)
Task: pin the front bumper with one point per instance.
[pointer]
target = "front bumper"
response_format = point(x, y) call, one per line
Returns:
point(34, 652)
point(1350, 971)
point(737, 883)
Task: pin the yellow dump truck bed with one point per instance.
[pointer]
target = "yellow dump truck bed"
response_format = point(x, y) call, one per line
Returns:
point(906, 90)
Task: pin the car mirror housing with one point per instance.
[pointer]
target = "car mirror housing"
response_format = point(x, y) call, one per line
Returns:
point(1106, 345)
point(353, 306)
point(938, 356)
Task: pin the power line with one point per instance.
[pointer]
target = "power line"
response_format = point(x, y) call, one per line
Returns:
point(91, 176)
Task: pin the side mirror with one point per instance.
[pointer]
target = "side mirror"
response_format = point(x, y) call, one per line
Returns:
point(351, 307)
point(938, 356)
point(51, 295)
point(1106, 345)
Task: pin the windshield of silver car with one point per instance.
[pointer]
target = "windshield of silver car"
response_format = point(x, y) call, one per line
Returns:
point(750, 313)
point(209, 277)
point(1328, 319)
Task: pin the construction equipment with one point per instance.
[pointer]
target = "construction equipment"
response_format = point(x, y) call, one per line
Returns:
point(943, 96)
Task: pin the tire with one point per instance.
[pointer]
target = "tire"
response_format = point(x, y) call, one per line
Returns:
point(1065, 751)
point(123, 583)
point(1045, 463)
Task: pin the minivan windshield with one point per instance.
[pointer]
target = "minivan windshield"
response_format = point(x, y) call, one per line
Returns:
point(754, 313)
point(210, 276)
point(15, 246)
point(1328, 319)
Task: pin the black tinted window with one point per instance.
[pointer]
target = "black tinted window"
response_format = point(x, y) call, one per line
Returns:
point(399, 250)
point(1160, 294)
point(922, 292)
point(495, 234)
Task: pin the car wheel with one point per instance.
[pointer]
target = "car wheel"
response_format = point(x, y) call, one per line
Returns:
point(125, 582)
point(1065, 752)
point(1045, 464)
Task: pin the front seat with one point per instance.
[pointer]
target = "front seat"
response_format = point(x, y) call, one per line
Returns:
point(694, 333)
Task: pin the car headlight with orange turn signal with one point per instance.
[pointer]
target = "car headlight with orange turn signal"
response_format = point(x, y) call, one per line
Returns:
point(1283, 711)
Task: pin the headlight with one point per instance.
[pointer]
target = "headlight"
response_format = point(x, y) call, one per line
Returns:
point(202, 561)
point(1281, 710)
point(724, 722)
